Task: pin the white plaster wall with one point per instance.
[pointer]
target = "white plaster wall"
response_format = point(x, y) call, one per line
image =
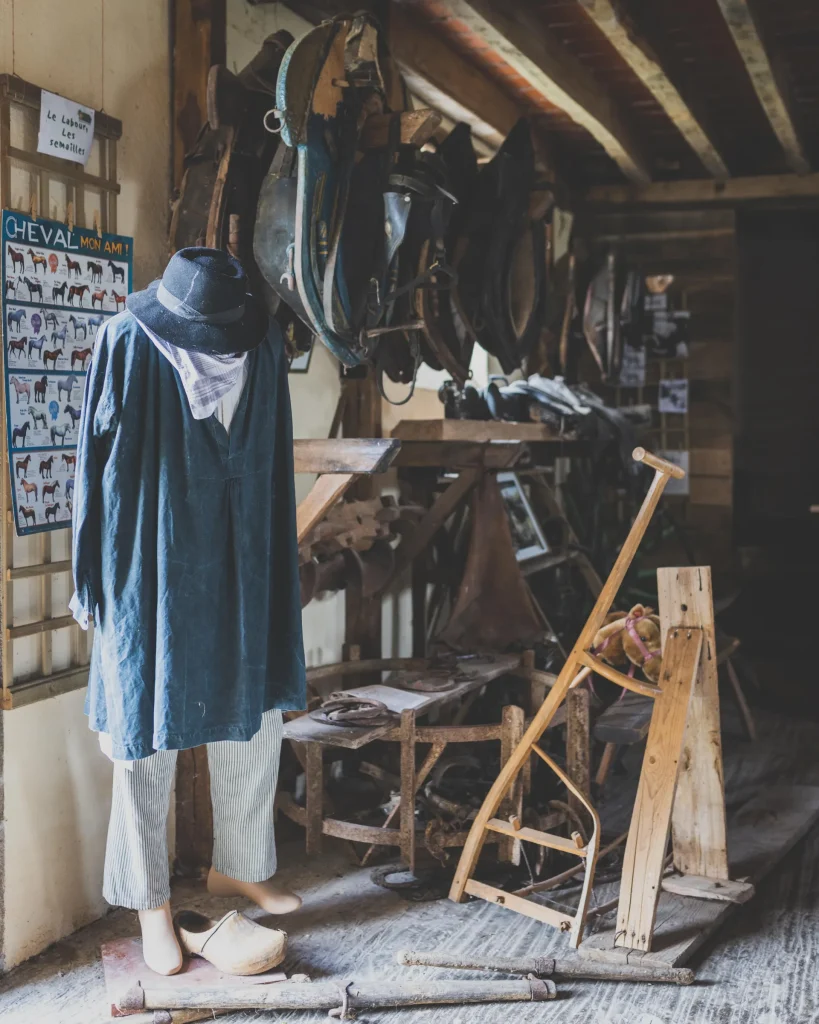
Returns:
point(113, 55)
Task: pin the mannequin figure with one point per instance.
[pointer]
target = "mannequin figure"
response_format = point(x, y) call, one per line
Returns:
point(185, 558)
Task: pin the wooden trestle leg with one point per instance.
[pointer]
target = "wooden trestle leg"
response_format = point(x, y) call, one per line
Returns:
point(577, 666)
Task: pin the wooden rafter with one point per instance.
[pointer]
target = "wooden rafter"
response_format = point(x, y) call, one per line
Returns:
point(639, 56)
point(762, 70)
point(443, 80)
point(562, 80)
point(735, 190)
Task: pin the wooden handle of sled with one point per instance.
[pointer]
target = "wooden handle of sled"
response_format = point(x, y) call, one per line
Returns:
point(661, 465)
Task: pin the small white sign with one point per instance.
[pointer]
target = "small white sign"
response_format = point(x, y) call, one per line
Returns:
point(66, 128)
point(673, 396)
point(633, 367)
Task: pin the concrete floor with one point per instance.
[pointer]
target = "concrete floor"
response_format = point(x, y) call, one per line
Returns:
point(760, 968)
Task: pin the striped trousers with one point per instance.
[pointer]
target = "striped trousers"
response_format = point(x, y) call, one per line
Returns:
point(243, 778)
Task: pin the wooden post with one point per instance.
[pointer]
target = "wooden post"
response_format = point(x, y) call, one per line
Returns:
point(651, 819)
point(408, 789)
point(513, 726)
point(199, 31)
point(578, 747)
point(314, 799)
point(698, 822)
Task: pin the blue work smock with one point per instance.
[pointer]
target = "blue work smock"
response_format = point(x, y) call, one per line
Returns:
point(185, 550)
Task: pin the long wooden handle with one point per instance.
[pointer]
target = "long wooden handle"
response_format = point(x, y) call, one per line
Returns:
point(661, 465)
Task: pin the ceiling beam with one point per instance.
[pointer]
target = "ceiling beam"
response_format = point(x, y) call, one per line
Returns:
point(445, 81)
point(539, 58)
point(640, 57)
point(699, 192)
point(767, 83)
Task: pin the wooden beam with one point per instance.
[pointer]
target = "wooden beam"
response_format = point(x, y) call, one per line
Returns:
point(344, 455)
point(199, 28)
point(644, 63)
point(696, 192)
point(442, 79)
point(560, 78)
point(769, 86)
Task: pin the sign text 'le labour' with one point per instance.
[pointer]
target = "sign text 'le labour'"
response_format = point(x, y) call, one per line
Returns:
point(66, 128)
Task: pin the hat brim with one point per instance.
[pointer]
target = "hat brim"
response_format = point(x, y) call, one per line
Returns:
point(222, 339)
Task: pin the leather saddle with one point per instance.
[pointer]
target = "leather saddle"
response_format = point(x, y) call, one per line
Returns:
point(501, 254)
point(348, 230)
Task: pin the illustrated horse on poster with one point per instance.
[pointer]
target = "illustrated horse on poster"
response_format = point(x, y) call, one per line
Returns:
point(19, 433)
point(79, 355)
point(72, 267)
point(76, 291)
point(21, 387)
point(61, 433)
point(34, 288)
point(49, 490)
point(17, 346)
point(66, 384)
point(37, 417)
point(60, 336)
point(95, 270)
point(69, 461)
point(117, 273)
point(36, 345)
point(40, 387)
point(30, 488)
point(49, 317)
point(78, 325)
point(119, 300)
point(51, 511)
point(27, 512)
point(16, 257)
point(51, 354)
point(14, 318)
point(37, 260)
point(21, 464)
point(69, 487)
point(96, 321)
point(58, 291)
point(11, 287)
point(74, 413)
point(45, 469)
point(99, 297)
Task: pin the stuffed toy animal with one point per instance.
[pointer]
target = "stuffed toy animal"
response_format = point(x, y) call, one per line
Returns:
point(631, 638)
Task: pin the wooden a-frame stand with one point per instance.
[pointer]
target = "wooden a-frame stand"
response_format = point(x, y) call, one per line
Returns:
point(683, 744)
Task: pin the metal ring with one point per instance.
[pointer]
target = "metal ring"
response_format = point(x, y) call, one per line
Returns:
point(278, 115)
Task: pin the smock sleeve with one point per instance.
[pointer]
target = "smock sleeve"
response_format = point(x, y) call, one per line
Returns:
point(98, 423)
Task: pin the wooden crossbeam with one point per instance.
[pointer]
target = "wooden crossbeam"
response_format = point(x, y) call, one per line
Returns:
point(644, 63)
point(698, 192)
point(537, 56)
point(767, 82)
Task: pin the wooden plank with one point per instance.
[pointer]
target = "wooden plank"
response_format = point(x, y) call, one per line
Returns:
point(43, 626)
point(768, 84)
point(637, 53)
point(24, 572)
point(476, 431)
point(194, 813)
point(442, 78)
point(512, 729)
point(651, 818)
point(698, 819)
point(459, 454)
point(578, 746)
point(344, 455)
point(314, 797)
point(324, 493)
point(735, 190)
point(559, 77)
point(760, 834)
point(703, 888)
point(417, 127)
point(625, 721)
point(408, 787)
point(531, 909)
point(533, 835)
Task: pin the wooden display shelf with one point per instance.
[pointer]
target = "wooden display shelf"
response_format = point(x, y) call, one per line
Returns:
point(474, 430)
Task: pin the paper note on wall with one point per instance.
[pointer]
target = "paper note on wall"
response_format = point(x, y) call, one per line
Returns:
point(66, 128)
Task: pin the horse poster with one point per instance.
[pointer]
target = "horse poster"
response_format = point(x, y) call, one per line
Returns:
point(59, 288)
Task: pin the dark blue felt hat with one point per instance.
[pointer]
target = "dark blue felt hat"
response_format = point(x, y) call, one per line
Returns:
point(202, 303)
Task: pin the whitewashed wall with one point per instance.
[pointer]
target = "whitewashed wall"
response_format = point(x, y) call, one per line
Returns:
point(57, 784)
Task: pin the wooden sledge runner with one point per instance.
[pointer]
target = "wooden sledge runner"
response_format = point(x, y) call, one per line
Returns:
point(681, 660)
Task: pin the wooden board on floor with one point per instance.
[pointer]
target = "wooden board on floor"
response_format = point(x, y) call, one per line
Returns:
point(473, 430)
point(760, 834)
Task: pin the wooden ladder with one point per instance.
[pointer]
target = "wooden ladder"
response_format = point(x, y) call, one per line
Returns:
point(680, 659)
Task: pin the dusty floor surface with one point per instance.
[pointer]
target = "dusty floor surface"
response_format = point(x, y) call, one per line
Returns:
point(762, 967)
